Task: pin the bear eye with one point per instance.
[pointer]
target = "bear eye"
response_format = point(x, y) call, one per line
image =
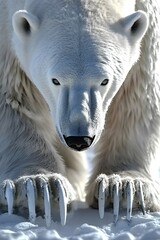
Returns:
point(55, 81)
point(105, 82)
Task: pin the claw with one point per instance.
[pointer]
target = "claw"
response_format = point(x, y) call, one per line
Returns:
point(129, 192)
point(101, 199)
point(31, 200)
point(141, 197)
point(115, 202)
point(9, 194)
point(62, 202)
point(47, 203)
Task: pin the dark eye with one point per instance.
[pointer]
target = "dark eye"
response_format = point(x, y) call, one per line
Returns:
point(105, 82)
point(55, 81)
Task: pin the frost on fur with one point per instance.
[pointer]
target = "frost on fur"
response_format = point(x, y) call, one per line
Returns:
point(76, 74)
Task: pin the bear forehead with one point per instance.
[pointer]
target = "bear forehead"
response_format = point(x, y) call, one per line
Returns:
point(92, 10)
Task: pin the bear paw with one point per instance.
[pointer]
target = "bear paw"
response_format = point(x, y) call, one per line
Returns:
point(38, 192)
point(117, 191)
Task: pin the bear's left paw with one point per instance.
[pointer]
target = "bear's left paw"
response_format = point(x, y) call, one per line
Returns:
point(40, 193)
point(116, 191)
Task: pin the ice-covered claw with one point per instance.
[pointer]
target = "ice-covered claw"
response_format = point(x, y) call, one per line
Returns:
point(62, 202)
point(101, 198)
point(129, 192)
point(47, 203)
point(9, 194)
point(141, 197)
point(115, 202)
point(31, 199)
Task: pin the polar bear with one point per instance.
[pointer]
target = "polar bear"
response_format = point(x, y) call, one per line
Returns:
point(75, 74)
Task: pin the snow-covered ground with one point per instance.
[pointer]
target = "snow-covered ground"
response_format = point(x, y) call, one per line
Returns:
point(82, 224)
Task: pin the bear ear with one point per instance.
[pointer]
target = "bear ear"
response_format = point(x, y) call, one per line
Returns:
point(136, 24)
point(24, 23)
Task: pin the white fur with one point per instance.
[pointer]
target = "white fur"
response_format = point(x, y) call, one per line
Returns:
point(79, 43)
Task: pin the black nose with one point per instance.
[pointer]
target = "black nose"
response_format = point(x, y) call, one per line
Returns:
point(79, 143)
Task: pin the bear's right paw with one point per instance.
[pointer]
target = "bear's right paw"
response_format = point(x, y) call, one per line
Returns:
point(41, 193)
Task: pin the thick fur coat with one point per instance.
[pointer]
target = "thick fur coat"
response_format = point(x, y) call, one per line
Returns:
point(83, 71)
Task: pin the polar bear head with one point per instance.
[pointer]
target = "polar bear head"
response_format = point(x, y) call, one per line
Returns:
point(78, 54)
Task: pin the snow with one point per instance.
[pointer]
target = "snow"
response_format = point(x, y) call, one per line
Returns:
point(84, 223)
